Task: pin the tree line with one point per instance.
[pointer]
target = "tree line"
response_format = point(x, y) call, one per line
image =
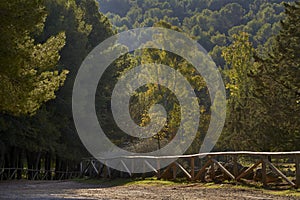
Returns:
point(43, 43)
point(254, 43)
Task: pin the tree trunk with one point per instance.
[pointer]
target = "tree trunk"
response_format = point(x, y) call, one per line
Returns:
point(48, 165)
point(20, 164)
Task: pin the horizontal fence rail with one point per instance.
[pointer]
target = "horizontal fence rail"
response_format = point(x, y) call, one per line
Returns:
point(265, 167)
point(33, 174)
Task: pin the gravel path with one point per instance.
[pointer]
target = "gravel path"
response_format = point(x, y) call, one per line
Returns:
point(58, 190)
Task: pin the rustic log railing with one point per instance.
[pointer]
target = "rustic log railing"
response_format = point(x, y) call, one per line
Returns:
point(195, 167)
point(34, 174)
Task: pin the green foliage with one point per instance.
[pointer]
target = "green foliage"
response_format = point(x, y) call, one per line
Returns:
point(278, 82)
point(85, 28)
point(238, 127)
point(264, 101)
point(215, 24)
point(42, 41)
point(27, 70)
point(211, 22)
point(239, 56)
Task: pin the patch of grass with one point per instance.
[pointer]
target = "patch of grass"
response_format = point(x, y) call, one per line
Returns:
point(104, 182)
point(271, 191)
point(231, 185)
point(290, 192)
point(179, 182)
point(137, 181)
point(155, 181)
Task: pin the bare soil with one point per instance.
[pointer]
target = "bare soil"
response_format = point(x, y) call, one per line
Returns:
point(58, 190)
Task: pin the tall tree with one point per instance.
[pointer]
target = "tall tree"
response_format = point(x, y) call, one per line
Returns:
point(239, 127)
point(264, 91)
point(152, 94)
point(49, 135)
point(28, 76)
point(278, 82)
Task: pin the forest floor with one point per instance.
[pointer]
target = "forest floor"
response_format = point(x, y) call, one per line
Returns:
point(58, 190)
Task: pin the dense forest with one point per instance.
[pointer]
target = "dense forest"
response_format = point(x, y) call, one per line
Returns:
point(254, 43)
point(44, 43)
point(211, 22)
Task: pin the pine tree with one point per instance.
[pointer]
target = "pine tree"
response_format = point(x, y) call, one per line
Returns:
point(278, 83)
point(28, 77)
point(264, 91)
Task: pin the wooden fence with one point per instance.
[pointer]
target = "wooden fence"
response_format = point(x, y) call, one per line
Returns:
point(195, 167)
point(33, 174)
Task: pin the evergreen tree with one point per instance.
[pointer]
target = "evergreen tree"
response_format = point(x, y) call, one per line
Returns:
point(28, 76)
point(278, 82)
point(264, 94)
point(48, 138)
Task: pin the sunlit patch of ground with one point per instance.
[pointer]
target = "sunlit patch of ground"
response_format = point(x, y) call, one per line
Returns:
point(126, 189)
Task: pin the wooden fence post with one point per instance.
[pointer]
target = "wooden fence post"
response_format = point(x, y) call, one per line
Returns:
point(235, 166)
point(158, 168)
point(297, 159)
point(81, 169)
point(192, 168)
point(174, 171)
point(264, 172)
point(212, 167)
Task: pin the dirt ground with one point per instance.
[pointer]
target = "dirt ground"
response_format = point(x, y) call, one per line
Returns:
point(58, 190)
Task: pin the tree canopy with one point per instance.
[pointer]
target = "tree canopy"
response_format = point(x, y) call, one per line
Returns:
point(43, 40)
point(271, 119)
point(254, 43)
point(28, 73)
